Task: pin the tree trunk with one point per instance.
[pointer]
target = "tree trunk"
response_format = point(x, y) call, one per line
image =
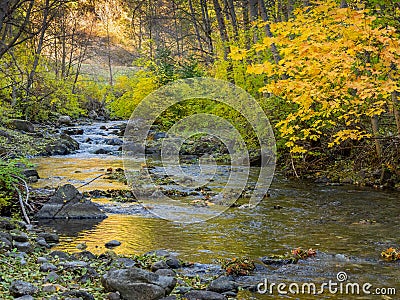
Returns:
point(81, 57)
point(396, 111)
point(246, 22)
point(109, 53)
point(177, 29)
point(232, 14)
point(222, 28)
point(207, 29)
point(6, 44)
point(253, 5)
point(267, 29)
point(195, 25)
point(375, 132)
point(343, 4)
point(39, 48)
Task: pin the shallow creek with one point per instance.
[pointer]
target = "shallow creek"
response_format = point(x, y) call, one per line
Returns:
point(348, 226)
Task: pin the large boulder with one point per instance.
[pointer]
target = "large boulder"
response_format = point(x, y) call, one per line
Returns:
point(68, 203)
point(136, 284)
point(23, 125)
point(63, 146)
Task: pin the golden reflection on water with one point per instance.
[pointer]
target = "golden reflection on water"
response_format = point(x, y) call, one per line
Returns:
point(134, 232)
point(57, 171)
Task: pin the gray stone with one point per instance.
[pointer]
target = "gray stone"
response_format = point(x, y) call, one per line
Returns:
point(20, 288)
point(165, 272)
point(51, 277)
point(84, 255)
point(46, 267)
point(67, 203)
point(50, 237)
point(76, 264)
point(203, 295)
point(20, 256)
point(5, 244)
point(30, 173)
point(49, 288)
point(183, 289)
point(230, 294)
point(137, 284)
point(223, 284)
point(169, 298)
point(79, 295)
point(173, 263)
point(23, 125)
point(26, 297)
point(64, 120)
point(6, 235)
point(32, 179)
point(59, 254)
point(114, 142)
point(7, 224)
point(42, 243)
point(63, 146)
point(159, 265)
point(41, 260)
point(125, 262)
point(73, 131)
point(69, 141)
point(20, 237)
point(112, 244)
point(23, 247)
point(113, 296)
point(102, 151)
point(159, 135)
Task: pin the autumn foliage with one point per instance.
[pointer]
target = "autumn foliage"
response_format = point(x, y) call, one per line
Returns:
point(337, 70)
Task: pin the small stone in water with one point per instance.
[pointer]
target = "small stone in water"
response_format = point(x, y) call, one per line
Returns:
point(112, 244)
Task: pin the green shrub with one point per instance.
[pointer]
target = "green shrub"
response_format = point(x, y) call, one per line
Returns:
point(10, 174)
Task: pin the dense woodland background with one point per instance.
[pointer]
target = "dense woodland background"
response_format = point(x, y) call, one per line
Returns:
point(326, 72)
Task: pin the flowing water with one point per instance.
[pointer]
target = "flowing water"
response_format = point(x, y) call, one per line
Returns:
point(349, 226)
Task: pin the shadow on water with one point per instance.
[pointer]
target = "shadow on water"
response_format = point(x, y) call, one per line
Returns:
point(70, 227)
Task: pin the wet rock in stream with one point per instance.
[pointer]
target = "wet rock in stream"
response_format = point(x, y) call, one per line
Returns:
point(137, 284)
point(68, 203)
point(62, 146)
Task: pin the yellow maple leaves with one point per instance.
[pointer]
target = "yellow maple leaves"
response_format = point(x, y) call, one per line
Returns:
point(336, 69)
point(237, 54)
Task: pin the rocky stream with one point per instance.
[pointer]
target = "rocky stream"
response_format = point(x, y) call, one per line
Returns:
point(304, 235)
